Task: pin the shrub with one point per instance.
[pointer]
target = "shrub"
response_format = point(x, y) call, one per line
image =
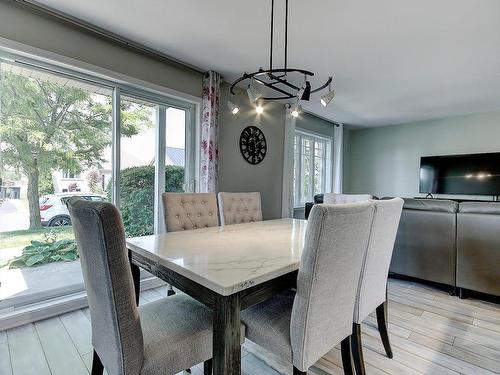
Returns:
point(47, 251)
point(137, 196)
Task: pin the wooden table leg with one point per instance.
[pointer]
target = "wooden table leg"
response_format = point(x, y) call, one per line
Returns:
point(227, 335)
point(136, 277)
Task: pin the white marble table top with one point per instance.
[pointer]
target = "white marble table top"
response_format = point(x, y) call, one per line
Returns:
point(229, 258)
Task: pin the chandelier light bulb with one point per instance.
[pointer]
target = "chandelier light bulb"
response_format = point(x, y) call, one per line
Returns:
point(233, 107)
point(296, 111)
point(259, 109)
point(327, 98)
point(254, 94)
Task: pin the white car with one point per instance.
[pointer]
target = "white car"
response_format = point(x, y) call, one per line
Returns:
point(53, 210)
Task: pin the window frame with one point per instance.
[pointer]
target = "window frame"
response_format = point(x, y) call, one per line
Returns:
point(328, 159)
point(118, 88)
point(118, 85)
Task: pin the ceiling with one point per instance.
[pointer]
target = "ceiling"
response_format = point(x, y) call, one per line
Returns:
point(393, 61)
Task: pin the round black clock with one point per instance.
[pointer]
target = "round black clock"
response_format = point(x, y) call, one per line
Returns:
point(253, 145)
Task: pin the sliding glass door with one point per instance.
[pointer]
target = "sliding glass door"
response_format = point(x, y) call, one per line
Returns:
point(55, 137)
point(63, 134)
point(153, 160)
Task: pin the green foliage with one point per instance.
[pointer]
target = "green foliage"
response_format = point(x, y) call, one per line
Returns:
point(45, 184)
point(137, 196)
point(46, 126)
point(49, 250)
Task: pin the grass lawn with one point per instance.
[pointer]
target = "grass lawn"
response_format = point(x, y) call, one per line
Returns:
point(22, 238)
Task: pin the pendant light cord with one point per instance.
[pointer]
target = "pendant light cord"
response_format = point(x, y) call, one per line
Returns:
point(272, 33)
point(286, 35)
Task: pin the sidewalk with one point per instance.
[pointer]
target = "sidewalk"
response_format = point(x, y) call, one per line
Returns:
point(14, 215)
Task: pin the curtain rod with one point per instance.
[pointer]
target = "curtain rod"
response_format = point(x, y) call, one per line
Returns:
point(108, 35)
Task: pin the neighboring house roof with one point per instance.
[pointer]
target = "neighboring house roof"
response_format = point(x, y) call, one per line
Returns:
point(174, 156)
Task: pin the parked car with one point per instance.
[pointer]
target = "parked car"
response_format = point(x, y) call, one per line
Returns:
point(53, 210)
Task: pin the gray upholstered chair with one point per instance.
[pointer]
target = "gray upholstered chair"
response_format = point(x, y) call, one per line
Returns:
point(162, 337)
point(333, 198)
point(372, 290)
point(303, 326)
point(183, 211)
point(236, 208)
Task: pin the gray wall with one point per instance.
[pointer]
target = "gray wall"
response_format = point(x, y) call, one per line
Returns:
point(235, 174)
point(35, 29)
point(309, 122)
point(385, 161)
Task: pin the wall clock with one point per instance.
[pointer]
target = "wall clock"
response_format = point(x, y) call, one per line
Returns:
point(253, 145)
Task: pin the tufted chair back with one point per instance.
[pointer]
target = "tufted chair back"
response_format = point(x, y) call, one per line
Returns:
point(336, 240)
point(116, 327)
point(236, 208)
point(185, 211)
point(332, 198)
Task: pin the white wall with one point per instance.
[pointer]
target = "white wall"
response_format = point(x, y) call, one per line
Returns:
point(385, 161)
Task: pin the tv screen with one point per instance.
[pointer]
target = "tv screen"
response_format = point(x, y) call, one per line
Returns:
point(473, 174)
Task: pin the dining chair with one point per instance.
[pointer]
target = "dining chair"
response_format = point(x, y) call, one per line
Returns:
point(303, 326)
point(236, 208)
point(372, 289)
point(184, 211)
point(161, 337)
point(334, 198)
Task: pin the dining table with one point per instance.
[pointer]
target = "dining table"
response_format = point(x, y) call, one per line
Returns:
point(227, 268)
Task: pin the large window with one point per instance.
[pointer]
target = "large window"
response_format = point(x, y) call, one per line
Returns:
point(65, 133)
point(312, 172)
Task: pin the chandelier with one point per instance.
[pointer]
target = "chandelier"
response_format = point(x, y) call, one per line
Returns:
point(280, 83)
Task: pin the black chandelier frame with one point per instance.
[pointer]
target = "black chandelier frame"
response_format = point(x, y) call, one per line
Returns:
point(278, 76)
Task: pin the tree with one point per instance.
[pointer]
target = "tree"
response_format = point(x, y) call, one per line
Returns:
point(45, 126)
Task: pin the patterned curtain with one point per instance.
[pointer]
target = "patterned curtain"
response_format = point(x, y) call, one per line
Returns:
point(209, 158)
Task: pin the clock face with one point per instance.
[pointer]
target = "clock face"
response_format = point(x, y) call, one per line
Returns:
point(253, 145)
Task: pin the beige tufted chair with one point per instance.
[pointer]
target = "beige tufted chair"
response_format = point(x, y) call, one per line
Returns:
point(236, 208)
point(184, 211)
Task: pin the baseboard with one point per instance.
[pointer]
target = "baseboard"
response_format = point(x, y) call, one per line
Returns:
point(466, 293)
point(446, 287)
point(453, 290)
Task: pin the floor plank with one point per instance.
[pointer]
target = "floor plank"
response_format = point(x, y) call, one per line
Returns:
point(476, 348)
point(26, 353)
point(456, 352)
point(62, 356)
point(78, 327)
point(431, 333)
point(5, 366)
point(406, 358)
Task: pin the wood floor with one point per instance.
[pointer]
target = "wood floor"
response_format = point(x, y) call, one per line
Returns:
point(431, 333)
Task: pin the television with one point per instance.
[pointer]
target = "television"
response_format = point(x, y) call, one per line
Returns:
point(471, 174)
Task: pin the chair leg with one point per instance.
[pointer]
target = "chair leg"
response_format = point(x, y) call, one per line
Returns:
point(170, 290)
point(296, 371)
point(207, 367)
point(97, 367)
point(357, 349)
point(382, 327)
point(345, 347)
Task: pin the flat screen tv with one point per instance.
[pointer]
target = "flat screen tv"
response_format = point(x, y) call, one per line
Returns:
point(472, 174)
